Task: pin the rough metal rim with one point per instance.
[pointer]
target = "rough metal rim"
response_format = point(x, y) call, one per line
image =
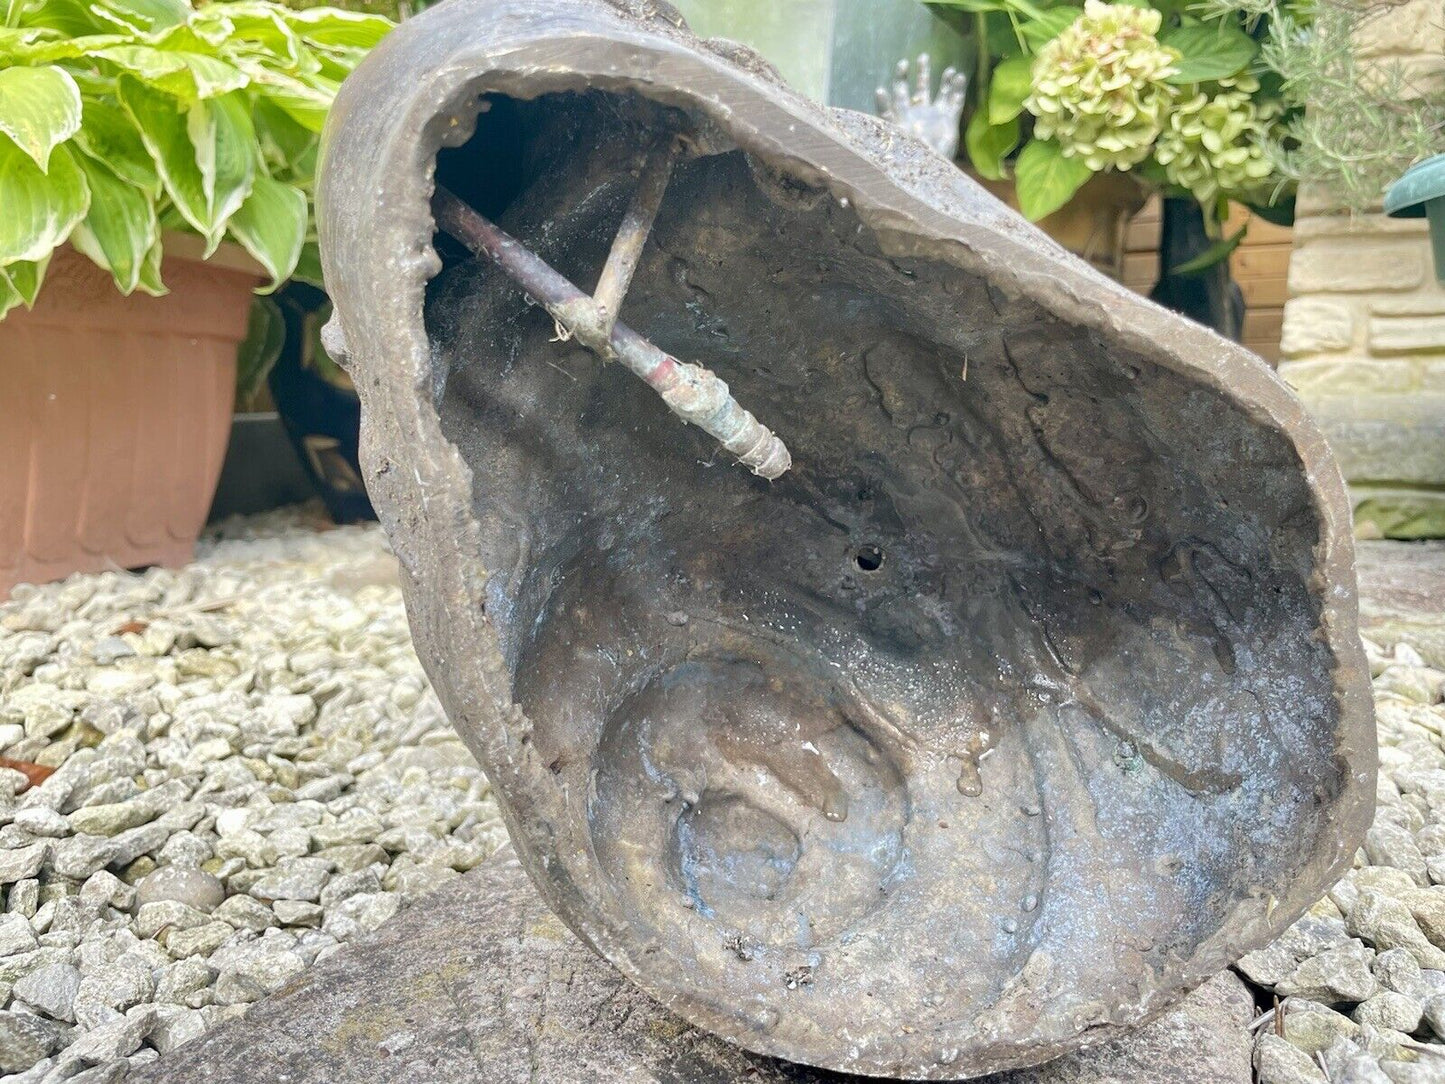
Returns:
point(376, 229)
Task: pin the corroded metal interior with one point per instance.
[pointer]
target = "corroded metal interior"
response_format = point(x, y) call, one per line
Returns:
point(1025, 700)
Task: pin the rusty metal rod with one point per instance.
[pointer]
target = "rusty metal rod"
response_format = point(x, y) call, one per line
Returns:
point(693, 393)
point(631, 236)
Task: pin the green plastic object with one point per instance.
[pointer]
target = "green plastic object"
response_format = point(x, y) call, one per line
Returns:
point(1420, 193)
point(836, 52)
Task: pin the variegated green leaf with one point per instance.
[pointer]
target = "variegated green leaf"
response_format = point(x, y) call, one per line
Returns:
point(39, 108)
point(144, 16)
point(182, 74)
point(331, 26)
point(40, 209)
point(109, 135)
point(203, 151)
point(20, 283)
point(119, 229)
point(272, 226)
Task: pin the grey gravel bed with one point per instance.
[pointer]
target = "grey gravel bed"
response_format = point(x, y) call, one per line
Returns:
point(252, 770)
point(1360, 980)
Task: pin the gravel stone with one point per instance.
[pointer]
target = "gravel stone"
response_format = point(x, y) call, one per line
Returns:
point(50, 990)
point(266, 723)
point(247, 973)
point(80, 856)
point(134, 842)
point(25, 1039)
point(105, 887)
point(153, 918)
point(113, 818)
point(200, 941)
point(1338, 974)
point(1391, 845)
point(41, 821)
point(1413, 1072)
point(174, 1026)
point(23, 897)
point(22, 862)
point(1346, 1063)
point(1277, 1061)
point(1313, 1027)
point(360, 914)
point(1397, 970)
point(113, 990)
point(297, 913)
point(109, 1041)
point(1387, 922)
point(1389, 1010)
point(16, 935)
point(1433, 1012)
point(193, 887)
point(186, 982)
point(349, 858)
point(294, 879)
point(246, 913)
point(185, 849)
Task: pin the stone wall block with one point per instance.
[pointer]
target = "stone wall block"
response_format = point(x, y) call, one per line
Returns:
point(1356, 263)
point(1351, 376)
point(1315, 325)
point(1402, 29)
point(1406, 334)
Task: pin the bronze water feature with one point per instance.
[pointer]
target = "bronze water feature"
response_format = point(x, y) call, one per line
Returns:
point(976, 674)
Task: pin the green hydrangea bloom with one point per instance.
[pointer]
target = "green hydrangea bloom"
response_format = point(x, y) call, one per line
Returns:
point(1214, 142)
point(1099, 87)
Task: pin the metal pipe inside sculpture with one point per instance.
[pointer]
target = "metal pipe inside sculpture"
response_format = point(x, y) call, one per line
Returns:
point(692, 392)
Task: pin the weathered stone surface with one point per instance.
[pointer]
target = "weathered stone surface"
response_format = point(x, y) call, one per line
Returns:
point(1386, 437)
point(1402, 584)
point(1401, 29)
point(192, 887)
point(481, 982)
point(1280, 1062)
point(1355, 263)
point(1384, 511)
point(1315, 324)
point(1406, 334)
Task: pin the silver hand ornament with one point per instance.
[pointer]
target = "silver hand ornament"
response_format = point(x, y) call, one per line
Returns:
point(916, 111)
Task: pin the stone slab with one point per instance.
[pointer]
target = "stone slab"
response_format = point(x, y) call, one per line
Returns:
point(1402, 595)
point(481, 984)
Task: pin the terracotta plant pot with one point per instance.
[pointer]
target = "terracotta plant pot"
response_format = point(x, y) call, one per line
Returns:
point(114, 413)
point(1092, 224)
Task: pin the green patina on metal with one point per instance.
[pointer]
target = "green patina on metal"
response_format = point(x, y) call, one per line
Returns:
point(1420, 193)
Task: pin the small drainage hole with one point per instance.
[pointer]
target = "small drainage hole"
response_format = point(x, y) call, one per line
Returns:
point(868, 558)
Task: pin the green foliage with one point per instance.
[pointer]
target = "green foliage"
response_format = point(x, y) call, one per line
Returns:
point(1166, 89)
point(1101, 86)
point(1217, 142)
point(1209, 51)
point(1046, 178)
point(1368, 119)
point(119, 116)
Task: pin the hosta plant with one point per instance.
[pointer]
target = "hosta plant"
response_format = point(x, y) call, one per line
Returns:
point(120, 119)
point(1173, 94)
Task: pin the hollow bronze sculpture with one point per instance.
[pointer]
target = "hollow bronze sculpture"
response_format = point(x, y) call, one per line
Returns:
point(973, 676)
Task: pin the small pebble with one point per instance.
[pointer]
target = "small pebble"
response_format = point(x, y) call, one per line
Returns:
point(180, 884)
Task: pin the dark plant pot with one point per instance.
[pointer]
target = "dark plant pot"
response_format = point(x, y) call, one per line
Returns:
point(261, 470)
point(318, 406)
point(1207, 297)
